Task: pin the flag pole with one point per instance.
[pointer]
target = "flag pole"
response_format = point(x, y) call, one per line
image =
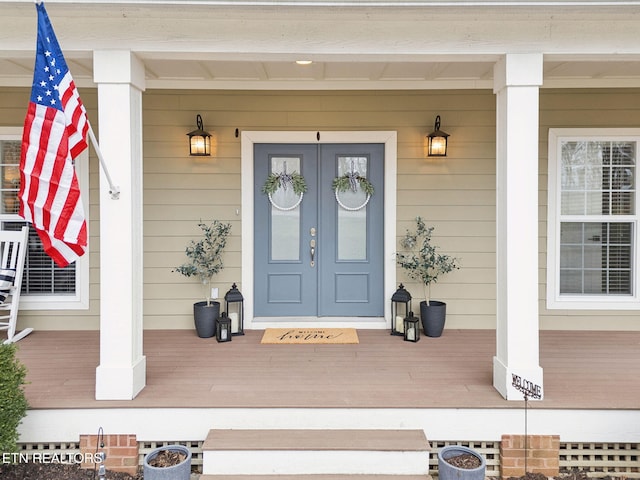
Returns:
point(114, 191)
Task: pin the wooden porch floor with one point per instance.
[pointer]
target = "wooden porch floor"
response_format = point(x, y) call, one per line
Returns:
point(582, 370)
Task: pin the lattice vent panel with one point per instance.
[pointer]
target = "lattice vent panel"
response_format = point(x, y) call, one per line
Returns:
point(602, 459)
point(48, 452)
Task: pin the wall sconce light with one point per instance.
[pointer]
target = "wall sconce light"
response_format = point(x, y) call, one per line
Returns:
point(437, 141)
point(199, 140)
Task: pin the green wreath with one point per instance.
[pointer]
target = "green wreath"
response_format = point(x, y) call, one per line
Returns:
point(351, 181)
point(277, 180)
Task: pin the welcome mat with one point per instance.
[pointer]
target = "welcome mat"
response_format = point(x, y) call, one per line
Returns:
point(309, 335)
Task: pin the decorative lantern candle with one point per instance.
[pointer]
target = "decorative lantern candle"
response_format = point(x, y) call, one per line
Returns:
point(400, 307)
point(411, 329)
point(223, 328)
point(234, 306)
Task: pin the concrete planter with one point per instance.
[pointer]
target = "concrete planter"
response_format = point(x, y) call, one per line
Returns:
point(182, 471)
point(446, 471)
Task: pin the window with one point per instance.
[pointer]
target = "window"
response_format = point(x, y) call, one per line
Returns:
point(45, 285)
point(592, 228)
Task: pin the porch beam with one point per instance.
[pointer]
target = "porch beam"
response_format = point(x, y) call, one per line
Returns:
point(517, 79)
point(121, 374)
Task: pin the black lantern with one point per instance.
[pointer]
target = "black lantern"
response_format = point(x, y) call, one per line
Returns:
point(199, 140)
point(437, 141)
point(234, 305)
point(400, 308)
point(223, 328)
point(411, 329)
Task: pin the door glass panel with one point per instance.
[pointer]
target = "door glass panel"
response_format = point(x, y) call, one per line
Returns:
point(352, 212)
point(285, 213)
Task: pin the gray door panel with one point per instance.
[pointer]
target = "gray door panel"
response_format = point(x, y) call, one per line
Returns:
point(350, 241)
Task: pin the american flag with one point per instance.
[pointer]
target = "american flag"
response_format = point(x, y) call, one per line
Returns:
point(55, 132)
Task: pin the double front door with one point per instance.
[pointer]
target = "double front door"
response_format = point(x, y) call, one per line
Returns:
point(320, 253)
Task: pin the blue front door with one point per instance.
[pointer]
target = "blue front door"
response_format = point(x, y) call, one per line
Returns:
point(319, 254)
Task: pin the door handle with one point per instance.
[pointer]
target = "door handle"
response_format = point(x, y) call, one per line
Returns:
point(312, 244)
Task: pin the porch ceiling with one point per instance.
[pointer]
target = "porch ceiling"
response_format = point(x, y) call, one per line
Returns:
point(339, 73)
point(233, 44)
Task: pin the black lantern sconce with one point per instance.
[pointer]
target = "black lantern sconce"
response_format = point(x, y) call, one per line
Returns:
point(437, 141)
point(411, 329)
point(199, 140)
point(234, 306)
point(223, 328)
point(400, 308)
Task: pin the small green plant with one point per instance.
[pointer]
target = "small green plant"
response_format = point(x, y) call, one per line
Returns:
point(283, 180)
point(205, 255)
point(422, 261)
point(13, 403)
point(349, 181)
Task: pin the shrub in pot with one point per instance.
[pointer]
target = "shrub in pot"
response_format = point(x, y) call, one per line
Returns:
point(205, 261)
point(424, 263)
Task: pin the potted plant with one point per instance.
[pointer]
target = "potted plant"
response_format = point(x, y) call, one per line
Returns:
point(205, 261)
point(172, 462)
point(424, 263)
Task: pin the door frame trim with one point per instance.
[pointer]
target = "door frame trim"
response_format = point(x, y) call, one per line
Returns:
point(248, 139)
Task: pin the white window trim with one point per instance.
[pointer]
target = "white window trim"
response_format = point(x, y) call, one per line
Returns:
point(79, 301)
point(585, 302)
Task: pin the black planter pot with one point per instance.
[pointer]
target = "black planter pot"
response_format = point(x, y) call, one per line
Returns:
point(204, 317)
point(433, 317)
point(446, 471)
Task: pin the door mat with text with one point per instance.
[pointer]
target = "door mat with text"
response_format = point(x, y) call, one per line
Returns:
point(309, 335)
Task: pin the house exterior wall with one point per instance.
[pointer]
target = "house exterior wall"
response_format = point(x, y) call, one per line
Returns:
point(174, 181)
point(456, 194)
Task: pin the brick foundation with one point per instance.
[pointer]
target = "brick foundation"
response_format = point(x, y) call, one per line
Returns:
point(543, 455)
point(121, 450)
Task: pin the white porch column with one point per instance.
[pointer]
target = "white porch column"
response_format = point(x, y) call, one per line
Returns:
point(517, 78)
point(122, 370)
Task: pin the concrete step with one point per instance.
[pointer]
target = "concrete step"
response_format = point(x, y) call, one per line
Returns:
point(315, 477)
point(316, 452)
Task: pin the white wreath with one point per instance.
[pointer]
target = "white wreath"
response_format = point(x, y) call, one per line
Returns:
point(352, 209)
point(286, 209)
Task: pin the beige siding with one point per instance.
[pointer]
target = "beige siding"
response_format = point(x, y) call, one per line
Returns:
point(180, 190)
point(456, 194)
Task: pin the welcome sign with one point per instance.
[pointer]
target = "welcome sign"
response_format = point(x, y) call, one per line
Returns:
point(529, 389)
